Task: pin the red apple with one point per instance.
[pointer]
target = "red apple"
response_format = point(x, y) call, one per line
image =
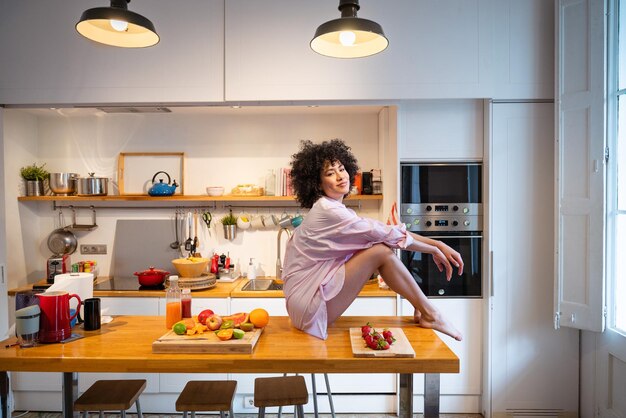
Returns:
point(214, 322)
point(204, 315)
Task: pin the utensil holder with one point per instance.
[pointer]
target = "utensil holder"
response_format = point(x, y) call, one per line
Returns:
point(230, 232)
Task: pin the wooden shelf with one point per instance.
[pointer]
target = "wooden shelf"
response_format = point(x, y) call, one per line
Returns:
point(176, 198)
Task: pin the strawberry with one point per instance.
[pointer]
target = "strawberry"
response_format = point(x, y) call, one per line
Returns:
point(388, 336)
point(373, 344)
point(377, 336)
point(383, 345)
point(366, 329)
point(368, 339)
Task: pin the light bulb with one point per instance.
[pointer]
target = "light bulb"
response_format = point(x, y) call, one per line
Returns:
point(119, 25)
point(347, 38)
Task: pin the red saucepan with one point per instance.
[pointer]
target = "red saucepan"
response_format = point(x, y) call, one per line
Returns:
point(152, 277)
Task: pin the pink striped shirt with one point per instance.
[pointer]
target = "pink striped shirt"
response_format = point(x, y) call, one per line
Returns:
point(314, 268)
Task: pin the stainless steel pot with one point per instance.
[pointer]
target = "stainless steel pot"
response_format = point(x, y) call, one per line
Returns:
point(63, 184)
point(93, 186)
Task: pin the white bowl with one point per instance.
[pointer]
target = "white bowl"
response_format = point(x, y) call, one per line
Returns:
point(215, 190)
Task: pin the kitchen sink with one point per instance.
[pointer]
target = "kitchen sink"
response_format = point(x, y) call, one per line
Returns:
point(258, 285)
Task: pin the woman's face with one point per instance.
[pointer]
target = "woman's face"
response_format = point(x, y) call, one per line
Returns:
point(335, 180)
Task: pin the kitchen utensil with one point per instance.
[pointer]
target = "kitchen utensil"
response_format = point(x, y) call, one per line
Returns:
point(196, 241)
point(206, 342)
point(92, 314)
point(190, 267)
point(57, 264)
point(243, 221)
point(27, 325)
point(176, 244)
point(160, 188)
point(189, 241)
point(151, 277)
point(61, 240)
point(285, 221)
point(83, 227)
point(400, 348)
point(207, 218)
point(297, 220)
point(93, 186)
point(258, 222)
point(54, 322)
point(63, 184)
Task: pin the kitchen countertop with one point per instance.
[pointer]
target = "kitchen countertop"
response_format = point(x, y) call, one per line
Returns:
point(221, 290)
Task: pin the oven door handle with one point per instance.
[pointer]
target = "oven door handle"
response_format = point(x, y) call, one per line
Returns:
point(449, 236)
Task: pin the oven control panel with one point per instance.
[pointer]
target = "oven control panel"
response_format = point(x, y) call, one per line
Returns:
point(443, 222)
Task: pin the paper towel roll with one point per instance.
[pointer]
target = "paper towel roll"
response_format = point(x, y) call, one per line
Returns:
point(78, 283)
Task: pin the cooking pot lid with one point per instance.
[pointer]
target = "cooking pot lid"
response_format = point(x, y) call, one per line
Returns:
point(151, 271)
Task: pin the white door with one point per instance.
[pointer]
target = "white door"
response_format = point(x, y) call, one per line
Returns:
point(590, 133)
point(4, 299)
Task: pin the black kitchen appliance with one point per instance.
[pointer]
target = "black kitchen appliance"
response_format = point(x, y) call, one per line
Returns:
point(443, 201)
point(367, 182)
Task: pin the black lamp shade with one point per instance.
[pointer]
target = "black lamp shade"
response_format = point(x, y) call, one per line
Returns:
point(95, 24)
point(369, 38)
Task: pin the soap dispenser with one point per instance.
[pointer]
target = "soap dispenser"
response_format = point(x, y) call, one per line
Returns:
point(251, 270)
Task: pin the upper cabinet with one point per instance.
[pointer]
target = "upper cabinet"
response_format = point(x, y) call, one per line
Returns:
point(436, 50)
point(45, 61)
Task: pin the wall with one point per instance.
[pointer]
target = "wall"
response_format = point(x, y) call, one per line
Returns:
point(223, 146)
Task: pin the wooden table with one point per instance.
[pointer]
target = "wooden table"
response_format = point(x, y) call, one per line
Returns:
point(125, 346)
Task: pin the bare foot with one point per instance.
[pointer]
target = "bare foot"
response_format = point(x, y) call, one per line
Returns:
point(438, 323)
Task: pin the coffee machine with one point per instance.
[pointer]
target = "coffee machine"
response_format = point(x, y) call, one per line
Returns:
point(57, 264)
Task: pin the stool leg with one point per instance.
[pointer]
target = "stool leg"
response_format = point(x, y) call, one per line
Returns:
point(101, 414)
point(261, 412)
point(84, 414)
point(330, 396)
point(314, 395)
point(184, 414)
point(222, 414)
point(123, 414)
point(139, 415)
point(193, 414)
point(300, 411)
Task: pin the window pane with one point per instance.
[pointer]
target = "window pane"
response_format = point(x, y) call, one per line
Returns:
point(620, 155)
point(620, 274)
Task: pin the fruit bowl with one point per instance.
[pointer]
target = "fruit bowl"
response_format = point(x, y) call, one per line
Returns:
point(191, 266)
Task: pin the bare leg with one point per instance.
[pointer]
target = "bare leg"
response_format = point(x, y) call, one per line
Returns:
point(380, 257)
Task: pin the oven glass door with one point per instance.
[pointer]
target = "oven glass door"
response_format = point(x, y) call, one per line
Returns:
point(441, 183)
point(433, 282)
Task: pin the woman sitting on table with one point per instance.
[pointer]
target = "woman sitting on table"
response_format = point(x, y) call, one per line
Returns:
point(334, 252)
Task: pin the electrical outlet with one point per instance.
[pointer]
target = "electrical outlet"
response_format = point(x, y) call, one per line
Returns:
point(248, 402)
point(93, 249)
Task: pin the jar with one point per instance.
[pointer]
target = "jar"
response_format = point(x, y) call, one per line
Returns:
point(185, 303)
point(173, 309)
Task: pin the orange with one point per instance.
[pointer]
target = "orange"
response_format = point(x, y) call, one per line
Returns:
point(259, 317)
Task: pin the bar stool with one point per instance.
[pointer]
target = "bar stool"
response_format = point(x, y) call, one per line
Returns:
point(328, 392)
point(207, 395)
point(111, 395)
point(280, 391)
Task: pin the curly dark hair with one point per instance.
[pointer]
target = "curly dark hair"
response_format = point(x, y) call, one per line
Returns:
point(308, 163)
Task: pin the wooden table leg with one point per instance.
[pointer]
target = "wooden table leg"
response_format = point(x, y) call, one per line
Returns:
point(431, 395)
point(4, 394)
point(406, 395)
point(70, 393)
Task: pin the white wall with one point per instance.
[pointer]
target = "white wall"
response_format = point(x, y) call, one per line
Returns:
point(222, 146)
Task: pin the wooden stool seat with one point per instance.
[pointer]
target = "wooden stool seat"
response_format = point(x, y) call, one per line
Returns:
point(280, 391)
point(111, 395)
point(207, 395)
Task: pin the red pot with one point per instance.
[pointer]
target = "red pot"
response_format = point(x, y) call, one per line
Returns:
point(151, 277)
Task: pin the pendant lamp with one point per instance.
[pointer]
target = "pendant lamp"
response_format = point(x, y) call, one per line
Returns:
point(117, 26)
point(349, 36)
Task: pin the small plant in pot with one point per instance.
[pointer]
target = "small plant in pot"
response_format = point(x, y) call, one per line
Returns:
point(230, 226)
point(34, 175)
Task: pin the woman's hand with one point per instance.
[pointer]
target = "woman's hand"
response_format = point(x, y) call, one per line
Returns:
point(445, 257)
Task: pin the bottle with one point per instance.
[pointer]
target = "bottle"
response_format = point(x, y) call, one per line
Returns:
point(251, 270)
point(185, 302)
point(173, 311)
point(270, 183)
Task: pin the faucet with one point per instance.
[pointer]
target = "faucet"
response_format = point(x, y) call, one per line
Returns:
point(279, 264)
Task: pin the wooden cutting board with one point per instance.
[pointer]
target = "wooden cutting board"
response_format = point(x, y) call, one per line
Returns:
point(206, 342)
point(400, 348)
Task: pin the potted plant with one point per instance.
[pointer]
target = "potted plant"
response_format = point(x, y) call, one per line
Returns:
point(230, 226)
point(34, 176)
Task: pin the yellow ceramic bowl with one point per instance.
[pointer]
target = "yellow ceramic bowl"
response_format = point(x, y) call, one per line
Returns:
point(190, 267)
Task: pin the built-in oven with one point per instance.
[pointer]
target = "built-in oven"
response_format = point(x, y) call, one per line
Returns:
point(443, 201)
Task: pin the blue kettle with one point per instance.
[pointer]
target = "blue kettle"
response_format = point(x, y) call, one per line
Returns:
point(160, 188)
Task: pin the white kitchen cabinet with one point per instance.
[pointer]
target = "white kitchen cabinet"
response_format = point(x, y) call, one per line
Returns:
point(436, 50)
point(129, 306)
point(440, 130)
point(47, 62)
point(531, 367)
point(460, 392)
